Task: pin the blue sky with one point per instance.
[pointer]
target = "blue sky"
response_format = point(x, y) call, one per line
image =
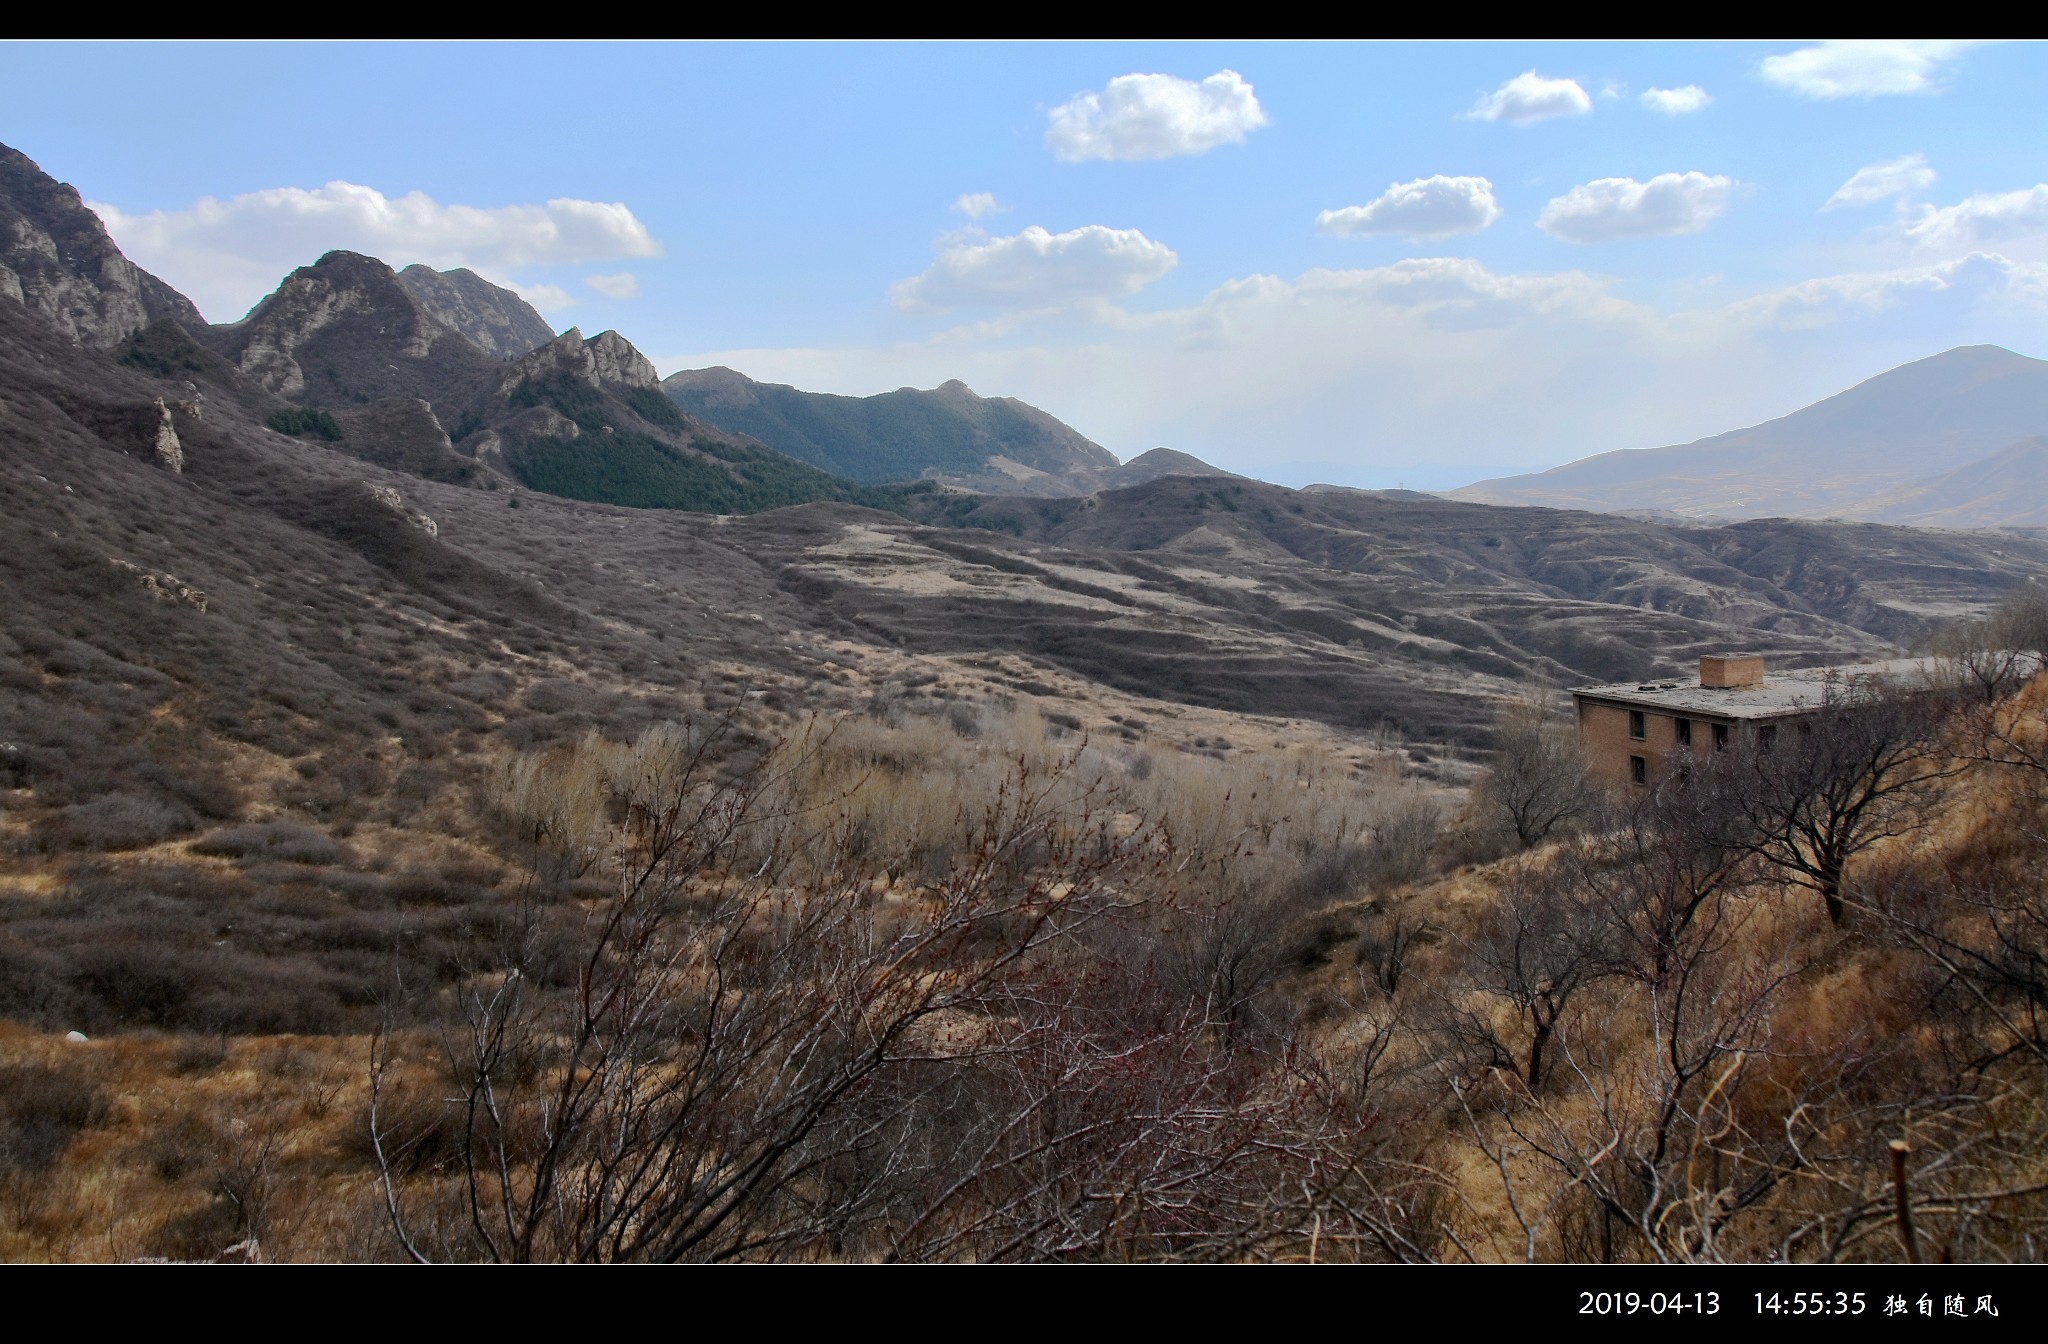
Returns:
point(1368, 264)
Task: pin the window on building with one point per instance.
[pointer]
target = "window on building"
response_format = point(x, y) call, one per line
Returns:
point(1765, 736)
point(1638, 770)
point(1720, 737)
point(1635, 725)
point(1684, 732)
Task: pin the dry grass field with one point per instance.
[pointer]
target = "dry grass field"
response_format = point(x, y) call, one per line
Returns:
point(985, 986)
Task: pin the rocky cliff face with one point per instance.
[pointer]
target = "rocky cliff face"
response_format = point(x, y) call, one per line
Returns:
point(343, 331)
point(493, 319)
point(606, 358)
point(57, 261)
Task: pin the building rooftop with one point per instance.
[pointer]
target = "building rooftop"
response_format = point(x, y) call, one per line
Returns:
point(1779, 693)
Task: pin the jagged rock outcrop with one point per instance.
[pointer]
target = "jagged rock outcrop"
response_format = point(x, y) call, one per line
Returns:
point(168, 450)
point(344, 330)
point(605, 358)
point(161, 586)
point(57, 261)
point(490, 317)
point(388, 497)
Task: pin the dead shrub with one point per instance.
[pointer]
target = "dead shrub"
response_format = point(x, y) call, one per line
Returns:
point(276, 841)
point(41, 1110)
point(118, 821)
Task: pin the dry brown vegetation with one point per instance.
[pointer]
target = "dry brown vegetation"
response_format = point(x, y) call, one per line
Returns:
point(969, 985)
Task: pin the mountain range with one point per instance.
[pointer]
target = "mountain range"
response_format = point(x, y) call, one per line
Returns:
point(992, 445)
point(1953, 440)
point(350, 409)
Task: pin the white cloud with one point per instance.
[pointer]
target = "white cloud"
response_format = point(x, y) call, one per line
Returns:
point(1983, 218)
point(1613, 208)
point(975, 204)
point(1676, 102)
point(1881, 181)
point(1529, 97)
point(1437, 370)
point(1861, 68)
point(1155, 117)
point(544, 298)
point(624, 285)
point(1832, 299)
point(1037, 269)
point(1429, 207)
point(227, 254)
point(1441, 285)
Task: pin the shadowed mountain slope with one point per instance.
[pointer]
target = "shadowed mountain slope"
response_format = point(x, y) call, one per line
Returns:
point(586, 419)
point(1893, 434)
point(583, 419)
point(997, 445)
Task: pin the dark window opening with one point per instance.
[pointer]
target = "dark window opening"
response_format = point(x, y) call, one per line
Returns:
point(1765, 736)
point(1684, 732)
point(1638, 770)
point(1720, 737)
point(1635, 724)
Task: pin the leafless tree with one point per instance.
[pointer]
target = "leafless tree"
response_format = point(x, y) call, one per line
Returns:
point(768, 1059)
point(1660, 856)
point(1535, 950)
point(1858, 768)
point(668, 1103)
point(1538, 777)
point(1996, 654)
point(1660, 1138)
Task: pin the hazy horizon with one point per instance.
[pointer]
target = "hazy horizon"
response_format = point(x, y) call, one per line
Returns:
point(1361, 264)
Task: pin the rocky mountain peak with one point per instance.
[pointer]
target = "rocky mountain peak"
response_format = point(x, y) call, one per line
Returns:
point(57, 261)
point(492, 318)
point(605, 358)
point(340, 286)
point(345, 330)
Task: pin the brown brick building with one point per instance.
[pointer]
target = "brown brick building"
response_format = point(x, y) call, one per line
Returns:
point(1631, 730)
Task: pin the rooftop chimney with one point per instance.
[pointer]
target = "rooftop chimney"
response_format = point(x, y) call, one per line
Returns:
point(1732, 670)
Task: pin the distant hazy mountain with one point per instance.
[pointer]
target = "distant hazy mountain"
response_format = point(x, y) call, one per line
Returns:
point(997, 445)
point(494, 319)
point(1869, 452)
point(1157, 462)
point(2002, 490)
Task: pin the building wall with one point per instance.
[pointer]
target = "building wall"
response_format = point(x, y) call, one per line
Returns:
point(1603, 731)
